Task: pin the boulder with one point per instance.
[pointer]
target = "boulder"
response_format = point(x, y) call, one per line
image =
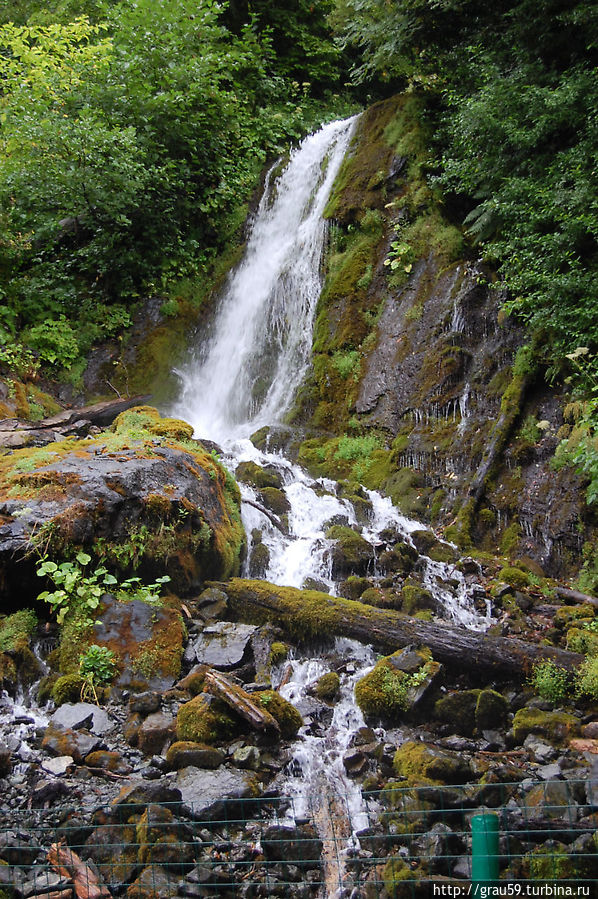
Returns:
point(350, 553)
point(144, 484)
point(79, 715)
point(184, 754)
point(223, 645)
point(62, 741)
point(300, 843)
point(209, 794)
point(155, 731)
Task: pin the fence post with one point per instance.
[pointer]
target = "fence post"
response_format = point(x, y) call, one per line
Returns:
point(484, 850)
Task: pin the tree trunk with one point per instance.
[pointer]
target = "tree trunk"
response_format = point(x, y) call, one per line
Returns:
point(307, 614)
point(240, 702)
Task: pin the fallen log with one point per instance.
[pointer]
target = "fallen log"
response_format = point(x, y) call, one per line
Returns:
point(270, 515)
point(575, 596)
point(308, 614)
point(240, 702)
point(68, 864)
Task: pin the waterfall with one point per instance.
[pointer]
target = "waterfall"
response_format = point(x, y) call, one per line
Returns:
point(245, 376)
point(249, 372)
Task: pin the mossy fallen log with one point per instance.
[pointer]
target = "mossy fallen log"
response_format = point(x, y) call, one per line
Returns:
point(310, 615)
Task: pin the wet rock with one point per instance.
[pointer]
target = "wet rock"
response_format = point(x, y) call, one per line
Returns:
point(145, 703)
point(44, 881)
point(223, 645)
point(297, 844)
point(590, 730)
point(327, 687)
point(207, 794)
point(439, 846)
point(458, 709)
point(136, 795)
point(428, 544)
point(154, 732)
point(542, 752)
point(147, 641)
point(491, 710)
point(247, 757)
point(420, 760)
point(407, 660)
point(5, 762)
point(75, 716)
point(253, 474)
point(131, 729)
point(350, 552)
point(76, 743)
point(556, 727)
point(259, 560)
point(355, 762)
point(184, 754)
point(18, 847)
point(47, 792)
point(276, 500)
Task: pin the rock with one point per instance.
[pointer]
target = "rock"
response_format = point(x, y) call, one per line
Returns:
point(355, 762)
point(549, 772)
point(184, 754)
point(552, 800)
point(108, 761)
point(439, 846)
point(5, 762)
point(350, 552)
point(145, 703)
point(147, 641)
point(137, 794)
point(44, 881)
point(259, 560)
point(47, 792)
point(152, 883)
point(76, 743)
point(113, 847)
point(155, 731)
point(542, 752)
point(590, 730)
point(408, 660)
point(328, 686)
point(99, 494)
point(247, 757)
point(223, 645)
point(212, 604)
point(57, 766)
point(491, 710)
point(131, 729)
point(18, 847)
point(251, 473)
point(557, 727)
point(208, 795)
point(421, 761)
point(75, 716)
point(205, 720)
point(428, 544)
point(298, 844)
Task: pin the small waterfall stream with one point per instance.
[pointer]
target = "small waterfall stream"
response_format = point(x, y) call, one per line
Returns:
point(244, 377)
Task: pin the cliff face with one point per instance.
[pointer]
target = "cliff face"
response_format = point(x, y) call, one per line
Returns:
point(417, 384)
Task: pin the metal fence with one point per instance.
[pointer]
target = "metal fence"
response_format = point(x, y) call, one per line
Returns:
point(411, 842)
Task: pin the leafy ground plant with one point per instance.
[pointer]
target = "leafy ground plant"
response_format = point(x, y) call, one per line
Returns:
point(75, 585)
point(97, 667)
point(550, 682)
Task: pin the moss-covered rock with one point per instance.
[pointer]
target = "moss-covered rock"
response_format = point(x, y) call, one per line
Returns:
point(253, 474)
point(382, 693)
point(288, 718)
point(328, 686)
point(278, 652)
point(491, 710)
point(458, 709)
point(515, 577)
point(141, 497)
point(350, 553)
point(184, 752)
point(67, 689)
point(557, 727)
point(423, 763)
point(205, 720)
point(415, 598)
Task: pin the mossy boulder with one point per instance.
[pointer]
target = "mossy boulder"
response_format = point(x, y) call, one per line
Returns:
point(515, 577)
point(328, 686)
point(276, 500)
point(288, 718)
point(17, 661)
point(458, 710)
point(206, 720)
point(428, 544)
point(184, 752)
point(396, 684)
point(556, 727)
point(253, 474)
point(399, 559)
point(142, 496)
point(67, 688)
point(491, 710)
point(415, 598)
point(259, 560)
point(350, 553)
point(423, 763)
point(278, 652)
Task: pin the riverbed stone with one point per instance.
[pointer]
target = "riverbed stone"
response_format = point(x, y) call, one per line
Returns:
point(153, 883)
point(63, 741)
point(350, 553)
point(300, 843)
point(154, 732)
point(184, 753)
point(79, 715)
point(145, 703)
point(58, 765)
point(223, 645)
point(206, 793)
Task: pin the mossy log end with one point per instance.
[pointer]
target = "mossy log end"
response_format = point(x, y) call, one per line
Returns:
point(308, 614)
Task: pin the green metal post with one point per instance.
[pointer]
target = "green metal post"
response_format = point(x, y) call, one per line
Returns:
point(484, 849)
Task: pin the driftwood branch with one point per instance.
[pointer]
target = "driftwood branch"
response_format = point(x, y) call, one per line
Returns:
point(575, 596)
point(240, 702)
point(68, 864)
point(308, 614)
point(270, 515)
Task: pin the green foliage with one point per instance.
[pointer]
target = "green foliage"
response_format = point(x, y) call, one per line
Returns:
point(16, 628)
point(97, 665)
point(550, 682)
point(587, 678)
point(353, 449)
point(347, 364)
point(80, 589)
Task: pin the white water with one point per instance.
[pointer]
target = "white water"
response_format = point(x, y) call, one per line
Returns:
point(246, 377)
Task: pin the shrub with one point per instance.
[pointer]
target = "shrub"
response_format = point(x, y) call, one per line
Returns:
point(587, 678)
point(550, 682)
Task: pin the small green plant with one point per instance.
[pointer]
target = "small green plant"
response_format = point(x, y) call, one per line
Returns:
point(587, 678)
point(97, 667)
point(347, 364)
point(550, 682)
point(75, 585)
point(400, 256)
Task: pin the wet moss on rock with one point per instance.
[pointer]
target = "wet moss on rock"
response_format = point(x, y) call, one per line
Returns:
point(287, 716)
point(205, 720)
point(557, 727)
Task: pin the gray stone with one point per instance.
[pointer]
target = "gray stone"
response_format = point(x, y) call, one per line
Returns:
point(145, 703)
point(63, 741)
point(550, 772)
point(212, 604)
point(43, 881)
point(59, 765)
point(287, 843)
point(18, 848)
point(155, 731)
point(205, 792)
point(5, 763)
point(77, 715)
point(407, 660)
point(542, 752)
point(223, 645)
point(247, 757)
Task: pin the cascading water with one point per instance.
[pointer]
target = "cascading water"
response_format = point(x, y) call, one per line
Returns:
point(245, 377)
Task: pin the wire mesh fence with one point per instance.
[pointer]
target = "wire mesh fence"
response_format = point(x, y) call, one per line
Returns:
point(411, 841)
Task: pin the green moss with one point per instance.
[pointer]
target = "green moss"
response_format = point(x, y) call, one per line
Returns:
point(253, 474)
point(582, 641)
point(382, 693)
point(515, 577)
point(328, 686)
point(557, 727)
point(278, 653)
point(16, 629)
point(509, 541)
point(459, 710)
point(416, 599)
point(205, 720)
point(287, 716)
point(67, 689)
point(421, 763)
point(491, 710)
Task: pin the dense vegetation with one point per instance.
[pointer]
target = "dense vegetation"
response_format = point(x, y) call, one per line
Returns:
point(132, 133)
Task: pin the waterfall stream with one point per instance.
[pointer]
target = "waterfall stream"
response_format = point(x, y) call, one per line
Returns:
point(244, 377)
